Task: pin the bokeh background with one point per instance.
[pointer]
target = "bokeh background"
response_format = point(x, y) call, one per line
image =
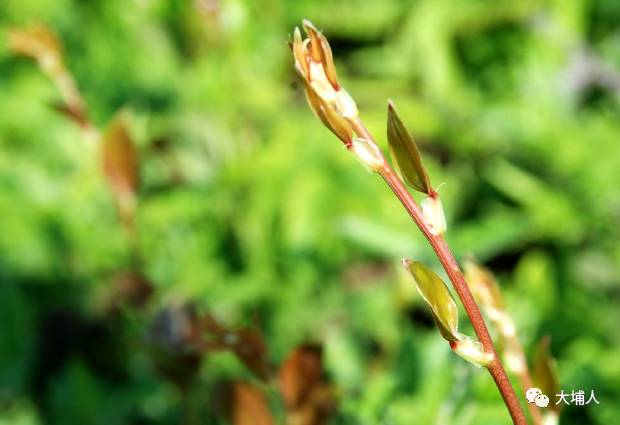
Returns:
point(251, 212)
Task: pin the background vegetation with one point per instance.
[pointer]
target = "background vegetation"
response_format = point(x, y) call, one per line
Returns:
point(250, 211)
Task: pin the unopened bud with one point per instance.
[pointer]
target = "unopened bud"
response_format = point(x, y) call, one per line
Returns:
point(432, 212)
point(345, 105)
point(315, 64)
point(514, 362)
point(315, 44)
point(301, 64)
point(330, 118)
point(472, 351)
point(367, 153)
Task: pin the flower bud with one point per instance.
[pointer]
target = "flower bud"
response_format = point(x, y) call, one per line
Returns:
point(330, 118)
point(472, 351)
point(329, 101)
point(367, 153)
point(320, 84)
point(432, 212)
point(345, 105)
point(321, 52)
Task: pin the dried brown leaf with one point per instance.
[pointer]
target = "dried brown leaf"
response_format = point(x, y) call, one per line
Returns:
point(74, 112)
point(308, 398)
point(41, 43)
point(120, 165)
point(37, 42)
point(250, 348)
point(247, 344)
point(130, 288)
point(249, 406)
point(299, 374)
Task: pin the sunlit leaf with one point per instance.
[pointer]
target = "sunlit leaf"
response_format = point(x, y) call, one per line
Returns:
point(405, 153)
point(41, 43)
point(37, 42)
point(545, 374)
point(437, 296)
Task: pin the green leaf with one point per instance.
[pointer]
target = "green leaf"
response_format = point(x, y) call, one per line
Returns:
point(406, 154)
point(544, 370)
point(438, 297)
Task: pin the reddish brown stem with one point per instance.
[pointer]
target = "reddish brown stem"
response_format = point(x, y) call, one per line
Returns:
point(453, 271)
point(526, 379)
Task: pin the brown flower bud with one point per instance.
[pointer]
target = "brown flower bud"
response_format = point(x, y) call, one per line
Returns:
point(326, 97)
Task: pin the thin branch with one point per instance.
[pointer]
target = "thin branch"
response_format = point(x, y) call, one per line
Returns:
point(455, 275)
point(525, 377)
point(337, 111)
point(489, 298)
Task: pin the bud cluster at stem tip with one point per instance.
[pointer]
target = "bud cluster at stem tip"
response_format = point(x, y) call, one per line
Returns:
point(326, 97)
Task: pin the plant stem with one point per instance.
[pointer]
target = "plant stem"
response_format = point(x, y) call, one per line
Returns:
point(525, 378)
point(453, 271)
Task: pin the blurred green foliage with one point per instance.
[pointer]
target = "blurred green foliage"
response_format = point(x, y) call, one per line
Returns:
point(250, 209)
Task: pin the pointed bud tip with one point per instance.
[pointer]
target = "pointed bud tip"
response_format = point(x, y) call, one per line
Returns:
point(406, 262)
point(390, 104)
point(308, 25)
point(296, 38)
point(316, 48)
